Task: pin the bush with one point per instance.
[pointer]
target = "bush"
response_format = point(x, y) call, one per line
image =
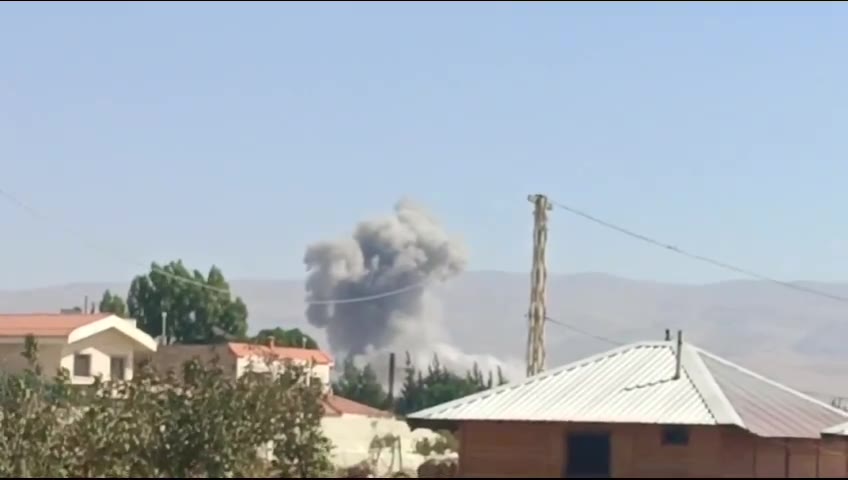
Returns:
point(197, 424)
point(360, 470)
point(445, 442)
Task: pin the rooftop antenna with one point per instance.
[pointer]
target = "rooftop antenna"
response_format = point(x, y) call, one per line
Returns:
point(677, 353)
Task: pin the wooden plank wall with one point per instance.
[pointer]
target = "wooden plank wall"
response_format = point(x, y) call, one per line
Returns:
point(524, 450)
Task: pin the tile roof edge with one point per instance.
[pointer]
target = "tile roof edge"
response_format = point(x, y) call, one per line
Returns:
point(771, 382)
point(708, 389)
point(377, 412)
point(316, 352)
point(474, 397)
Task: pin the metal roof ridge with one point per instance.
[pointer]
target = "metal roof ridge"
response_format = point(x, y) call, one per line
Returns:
point(769, 381)
point(702, 380)
point(474, 397)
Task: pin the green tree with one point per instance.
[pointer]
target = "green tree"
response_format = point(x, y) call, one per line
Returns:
point(190, 305)
point(286, 338)
point(440, 385)
point(113, 304)
point(190, 424)
point(410, 395)
point(360, 385)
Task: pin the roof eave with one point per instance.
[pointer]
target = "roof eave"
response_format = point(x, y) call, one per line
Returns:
point(432, 424)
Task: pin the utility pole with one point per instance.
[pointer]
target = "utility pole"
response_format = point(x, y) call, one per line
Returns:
point(538, 287)
point(163, 339)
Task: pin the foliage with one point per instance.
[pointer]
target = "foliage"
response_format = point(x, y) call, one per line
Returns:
point(439, 468)
point(198, 423)
point(113, 304)
point(362, 469)
point(286, 338)
point(419, 391)
point(196, 309)
point(445, 442)
point(440, 385)
point(360, 385)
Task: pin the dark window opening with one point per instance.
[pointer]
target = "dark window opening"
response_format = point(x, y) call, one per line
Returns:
point(82, 365)
point(118, 368)
point(588, 456)
point(675, 436)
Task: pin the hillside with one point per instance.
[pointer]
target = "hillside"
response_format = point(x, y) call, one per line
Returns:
point(790, 336)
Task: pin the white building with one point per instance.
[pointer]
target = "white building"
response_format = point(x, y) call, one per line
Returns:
point(350, 426)
point(87, 346)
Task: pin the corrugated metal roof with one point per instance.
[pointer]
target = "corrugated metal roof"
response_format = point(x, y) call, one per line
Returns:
point(767, 408)
point(841, 429)
point(635, 384)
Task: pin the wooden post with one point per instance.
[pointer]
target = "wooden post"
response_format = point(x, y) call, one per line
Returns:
point(391, 377)
point(677, 354)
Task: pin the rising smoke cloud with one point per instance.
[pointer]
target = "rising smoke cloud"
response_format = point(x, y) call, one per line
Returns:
point(408, 250)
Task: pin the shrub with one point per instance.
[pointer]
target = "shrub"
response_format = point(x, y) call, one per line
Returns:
point(200, 423)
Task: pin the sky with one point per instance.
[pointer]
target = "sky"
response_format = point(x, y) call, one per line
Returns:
point(236, 134)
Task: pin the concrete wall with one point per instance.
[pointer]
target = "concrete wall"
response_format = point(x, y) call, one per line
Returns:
point(49, 357)
point(261, 365)
point(520, 450)
point(173, 357)
point(352, 434)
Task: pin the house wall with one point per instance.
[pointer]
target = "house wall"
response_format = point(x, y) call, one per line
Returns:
point(747, 456)
point(352, 435)
point(11, 360)
point(102, 347)
point(521, 450)
point(261, 365)
point(173, 357)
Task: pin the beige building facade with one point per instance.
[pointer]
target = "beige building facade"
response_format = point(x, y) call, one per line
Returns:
point(87, 346)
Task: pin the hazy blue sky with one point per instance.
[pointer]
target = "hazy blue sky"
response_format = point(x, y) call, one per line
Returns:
point(238, 133)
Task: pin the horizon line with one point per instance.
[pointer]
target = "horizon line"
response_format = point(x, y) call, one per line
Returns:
point(551, 276)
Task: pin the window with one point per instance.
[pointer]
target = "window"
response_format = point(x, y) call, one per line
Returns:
point(82, 365)
point(675, 436)
point(118, 368)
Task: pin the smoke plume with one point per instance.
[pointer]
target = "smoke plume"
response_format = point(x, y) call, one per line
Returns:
point(407, 251)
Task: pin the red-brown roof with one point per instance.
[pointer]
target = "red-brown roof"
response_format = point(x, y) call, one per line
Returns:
point(44, 324)
point(242, 350)
point(336, 406)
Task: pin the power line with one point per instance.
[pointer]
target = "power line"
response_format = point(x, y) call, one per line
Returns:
point(575, 329)
point(618, 343)
point(20, 204)
point(700, 258)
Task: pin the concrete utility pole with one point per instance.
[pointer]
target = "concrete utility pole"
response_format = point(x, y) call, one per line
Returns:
point(538, 287)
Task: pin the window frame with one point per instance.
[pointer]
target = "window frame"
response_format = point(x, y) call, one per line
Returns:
point(77, 363)
point(123, 360)
point(675, 436)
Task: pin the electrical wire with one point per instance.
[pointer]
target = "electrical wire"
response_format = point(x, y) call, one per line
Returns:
point(619, 343)
point(20, 204)
point(700, 258)
point(575, 329)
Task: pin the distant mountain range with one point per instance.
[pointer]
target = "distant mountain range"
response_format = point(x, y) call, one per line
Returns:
point(792, 337)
